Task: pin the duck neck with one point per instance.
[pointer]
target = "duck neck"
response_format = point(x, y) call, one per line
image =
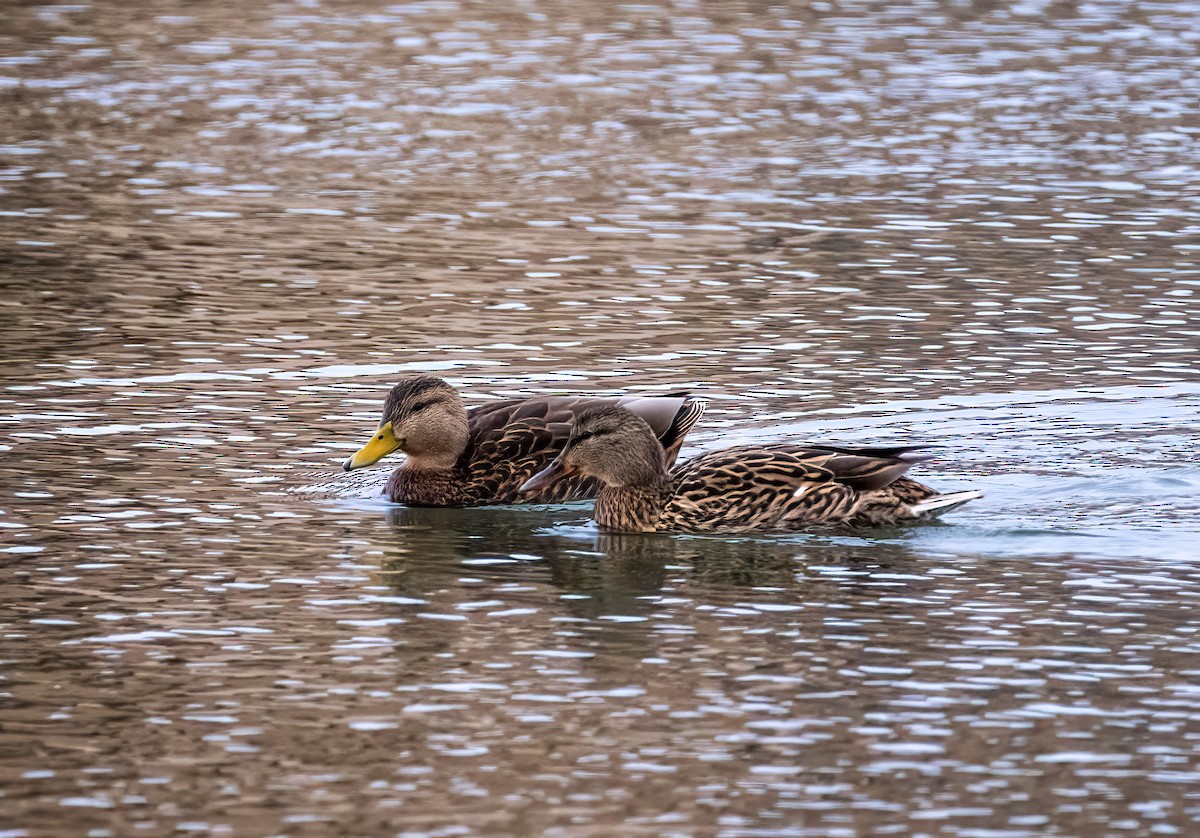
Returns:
point(423, 484)
point(443, 462)
point(632, 508)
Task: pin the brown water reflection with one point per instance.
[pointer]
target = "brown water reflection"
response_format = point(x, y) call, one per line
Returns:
point(228, 229)
point(552, 677)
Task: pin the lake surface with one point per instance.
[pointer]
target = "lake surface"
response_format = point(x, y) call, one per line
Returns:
point(227, 229)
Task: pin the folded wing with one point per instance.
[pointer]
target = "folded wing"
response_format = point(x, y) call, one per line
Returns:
point(786, 486)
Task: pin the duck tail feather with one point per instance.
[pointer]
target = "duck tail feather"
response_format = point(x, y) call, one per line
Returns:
point(916, 454)
point(938, 504)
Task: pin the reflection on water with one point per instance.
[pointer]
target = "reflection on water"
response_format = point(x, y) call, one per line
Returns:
point(228, 230)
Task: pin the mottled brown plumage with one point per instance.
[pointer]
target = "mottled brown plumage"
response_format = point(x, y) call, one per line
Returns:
point(461, 457)
point(751, 487)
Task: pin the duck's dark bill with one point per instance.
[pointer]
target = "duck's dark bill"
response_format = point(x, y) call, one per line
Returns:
point(544, 478)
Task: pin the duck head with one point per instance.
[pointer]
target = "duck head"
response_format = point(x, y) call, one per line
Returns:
point(425, 418)
point(610, 444)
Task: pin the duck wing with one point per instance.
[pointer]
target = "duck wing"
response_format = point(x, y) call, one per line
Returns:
point(777, 487)
point(513, 439)
point(868, 469)
point(504, 457)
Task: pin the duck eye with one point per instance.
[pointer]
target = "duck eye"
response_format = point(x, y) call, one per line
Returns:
point(419, 406)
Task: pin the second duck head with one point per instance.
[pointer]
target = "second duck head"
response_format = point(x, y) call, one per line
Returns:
point(610, 444)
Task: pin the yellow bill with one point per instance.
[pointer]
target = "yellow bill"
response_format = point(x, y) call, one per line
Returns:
point(383, 443)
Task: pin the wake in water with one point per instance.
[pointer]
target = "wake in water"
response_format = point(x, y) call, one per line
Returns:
point(337, 484)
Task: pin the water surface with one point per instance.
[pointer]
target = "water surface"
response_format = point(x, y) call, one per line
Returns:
point(228, 230)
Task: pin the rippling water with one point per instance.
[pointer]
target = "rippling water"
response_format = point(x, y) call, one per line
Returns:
point(227, 230)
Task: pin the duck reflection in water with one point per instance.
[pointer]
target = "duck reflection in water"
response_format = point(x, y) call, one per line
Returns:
point(556, 545)
point(611, 596)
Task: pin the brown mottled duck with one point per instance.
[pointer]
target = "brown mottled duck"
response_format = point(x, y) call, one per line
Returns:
point(461, 457)
point(752, 487)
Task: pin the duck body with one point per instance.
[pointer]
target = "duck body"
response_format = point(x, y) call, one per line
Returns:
point(782, 488)
point(785, 488)
point(482, 456)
